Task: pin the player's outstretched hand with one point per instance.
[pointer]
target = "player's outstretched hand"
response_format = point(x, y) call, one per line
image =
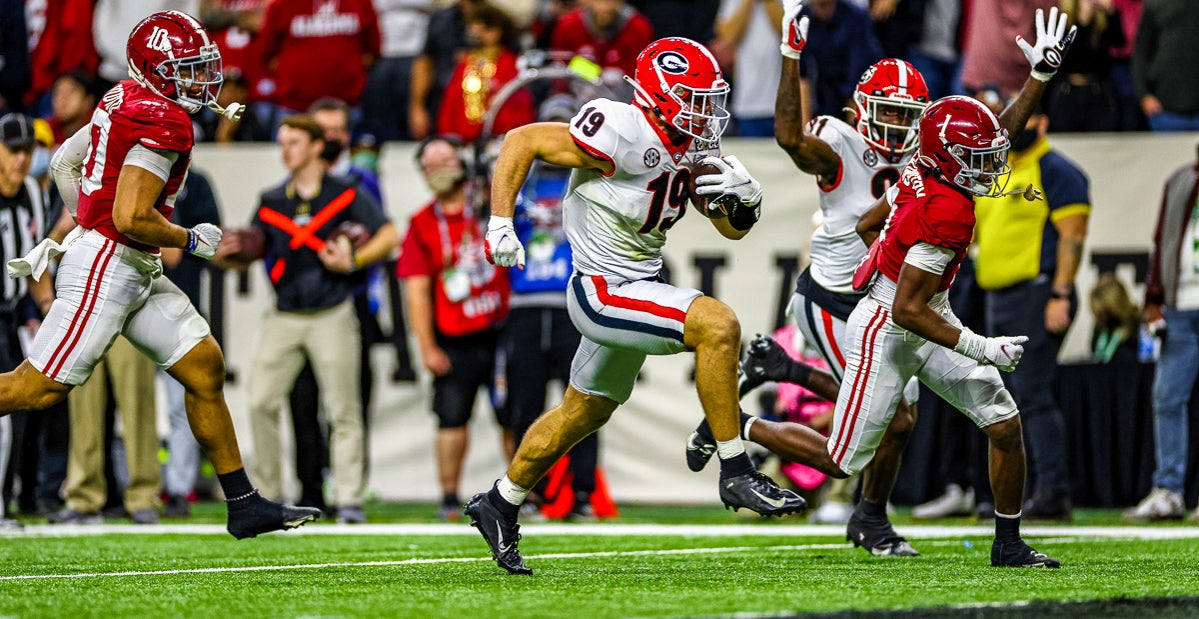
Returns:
point(202, 240)
point(733, 180)
point(1003, 352)
point(1046, 53)
point(795, 29)
point(503, 248)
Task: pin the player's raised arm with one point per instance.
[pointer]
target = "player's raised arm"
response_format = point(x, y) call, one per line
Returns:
point(548, 141)
point(1045, 56)
point(809, 154)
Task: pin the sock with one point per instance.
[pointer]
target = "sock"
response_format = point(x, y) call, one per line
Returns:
point(733, 459)
point(746, 422)
point(236, 485)
point(705, 431)
point(510, 492)
point(872, 509)
point(1007, 527)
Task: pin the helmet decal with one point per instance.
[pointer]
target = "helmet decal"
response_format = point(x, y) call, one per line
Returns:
point(673, 63)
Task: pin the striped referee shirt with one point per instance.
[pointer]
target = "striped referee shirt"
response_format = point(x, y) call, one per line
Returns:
point(22, 225)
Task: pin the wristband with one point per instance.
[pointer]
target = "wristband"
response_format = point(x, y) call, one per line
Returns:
point(192, 241)
point(1060, 293)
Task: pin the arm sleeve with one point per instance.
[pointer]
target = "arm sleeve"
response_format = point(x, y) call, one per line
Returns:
point(157, 162)
point(929, 258)
point(67, 167)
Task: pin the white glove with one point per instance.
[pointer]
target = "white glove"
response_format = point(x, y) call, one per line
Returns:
point(202, 240)
point(733, 179)
point(503, 248)
point(1003, 352)
point(795, 29)
point(1046, 54)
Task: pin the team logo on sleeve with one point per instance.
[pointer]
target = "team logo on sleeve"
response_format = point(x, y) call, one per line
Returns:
point(651, 158)
point(673, 63)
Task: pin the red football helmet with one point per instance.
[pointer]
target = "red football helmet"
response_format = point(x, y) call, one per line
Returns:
point(963, 139)
point(890, 98)
point(680, 80)
point(171, 54)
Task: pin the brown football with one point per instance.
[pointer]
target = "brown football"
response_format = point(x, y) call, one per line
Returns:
point(246, 244)
point(702, 203)
point(357, 233)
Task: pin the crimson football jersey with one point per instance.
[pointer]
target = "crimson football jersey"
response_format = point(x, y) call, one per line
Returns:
point(130, 114)
point(929, 210)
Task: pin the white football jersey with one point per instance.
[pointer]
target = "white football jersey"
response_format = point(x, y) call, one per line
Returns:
point(862, 179)
point(617, 223)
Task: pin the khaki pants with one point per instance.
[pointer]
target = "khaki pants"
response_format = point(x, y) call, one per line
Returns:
point(131, 375)
point(330, 339)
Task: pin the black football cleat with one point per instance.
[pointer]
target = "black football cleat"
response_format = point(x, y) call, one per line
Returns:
point(1020, 554)
point(500, 532)
point(759, 493)
point(764, 361)
point(877, 537)
point(699, 451)
point(255, 515)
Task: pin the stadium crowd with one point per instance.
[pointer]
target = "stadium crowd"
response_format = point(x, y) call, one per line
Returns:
point(333, 80)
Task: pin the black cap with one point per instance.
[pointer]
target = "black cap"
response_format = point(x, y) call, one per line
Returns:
point(16, 131)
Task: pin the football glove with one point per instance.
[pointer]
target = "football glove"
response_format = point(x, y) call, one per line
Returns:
point(503, 248)
point(202, 240)
point(795, 29)
point(1003, 352)
point(733, 180)
point(1046, 53)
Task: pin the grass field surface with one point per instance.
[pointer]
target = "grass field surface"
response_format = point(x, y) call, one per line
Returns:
point(652, 562)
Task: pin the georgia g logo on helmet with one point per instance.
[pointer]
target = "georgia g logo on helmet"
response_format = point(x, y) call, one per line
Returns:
point(673, 63)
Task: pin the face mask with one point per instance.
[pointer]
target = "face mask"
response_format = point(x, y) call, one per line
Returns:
point(442, 181)
point(331, 151)
point(40, 164)
point(1025, 140)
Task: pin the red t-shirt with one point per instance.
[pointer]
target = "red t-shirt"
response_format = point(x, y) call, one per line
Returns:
point(64, 44)
point(517, 110)
point(240, 49)
point(127, 115)
point(318, 49)
point(926, 210)
point(574, 34)
point(425, 252)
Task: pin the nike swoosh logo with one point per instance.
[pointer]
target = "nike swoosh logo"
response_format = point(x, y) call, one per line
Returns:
point(779, 502)
point(499, 531)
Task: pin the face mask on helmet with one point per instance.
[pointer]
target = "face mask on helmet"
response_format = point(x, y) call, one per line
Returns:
point(890, 124)
point(984, 172)
point(681, 81)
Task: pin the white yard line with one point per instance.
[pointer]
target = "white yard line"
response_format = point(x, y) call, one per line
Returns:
point(744, 529)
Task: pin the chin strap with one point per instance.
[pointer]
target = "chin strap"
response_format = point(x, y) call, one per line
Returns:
point(232, 112)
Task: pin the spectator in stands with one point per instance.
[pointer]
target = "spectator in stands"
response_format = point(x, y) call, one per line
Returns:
point(60, 41)
point(609, 33)
point(1130, 20)
point(234, 25)
point(195, 205)
point(1083, 96)
point(14, 52)
point(72, 99)
point(936, 51)
point(313, 316)
point(988, 57)
point(402, 27)
point(213, 127)
point(318, 49)
point(552, 12)
point(125, 377)
point(1029, 253)
point(111, 24)
point(1172, 311)
point(456, 302)
point(1163, 64)
point(445, 44)
point(480, 75)
point(691, 19)
point(842, 44)
point(1117, 322)
point(751, 27)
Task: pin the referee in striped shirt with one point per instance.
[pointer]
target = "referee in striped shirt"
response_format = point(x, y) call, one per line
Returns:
point(22, 225)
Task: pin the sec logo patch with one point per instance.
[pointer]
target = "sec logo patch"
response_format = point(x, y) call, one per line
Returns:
point(651, 158)
point(870, 157)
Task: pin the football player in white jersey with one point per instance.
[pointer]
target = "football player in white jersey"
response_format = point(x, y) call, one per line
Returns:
point(629, 187)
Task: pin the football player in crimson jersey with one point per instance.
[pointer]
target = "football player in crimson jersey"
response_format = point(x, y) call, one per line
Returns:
point(628, 188)
point(119, 177)
point(904, 328)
